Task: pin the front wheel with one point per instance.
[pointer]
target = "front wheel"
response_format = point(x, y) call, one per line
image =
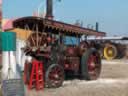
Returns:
point(54, 76)
point(90, 64)
point(110, 52)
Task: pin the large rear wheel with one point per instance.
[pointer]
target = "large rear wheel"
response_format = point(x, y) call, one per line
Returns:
point(90, 64)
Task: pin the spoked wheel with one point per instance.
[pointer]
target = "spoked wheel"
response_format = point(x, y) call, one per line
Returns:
point(36, 39)
point(54, 76)
point(110, 52)
point(90, 65)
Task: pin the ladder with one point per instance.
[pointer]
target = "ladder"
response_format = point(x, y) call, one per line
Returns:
point(36, 77)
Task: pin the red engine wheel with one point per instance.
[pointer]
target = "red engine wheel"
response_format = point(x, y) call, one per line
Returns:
point(54, 76)
point(91, 65)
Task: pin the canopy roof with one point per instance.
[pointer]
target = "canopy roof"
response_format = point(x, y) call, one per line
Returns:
point(53, 26)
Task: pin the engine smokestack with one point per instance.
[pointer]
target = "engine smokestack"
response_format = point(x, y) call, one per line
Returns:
point(97, 26)
point(49, 9)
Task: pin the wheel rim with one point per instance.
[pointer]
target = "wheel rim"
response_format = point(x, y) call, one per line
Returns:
point(56, 76)
point(110, 52)
point(94, 66)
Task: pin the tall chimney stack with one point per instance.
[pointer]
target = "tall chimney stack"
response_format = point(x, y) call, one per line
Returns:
point(49, 9)
point(97, 26)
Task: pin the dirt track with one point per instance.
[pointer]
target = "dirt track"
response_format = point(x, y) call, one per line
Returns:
point(112, 82)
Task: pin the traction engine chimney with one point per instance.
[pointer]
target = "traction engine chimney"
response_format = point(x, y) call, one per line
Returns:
point(49, 9)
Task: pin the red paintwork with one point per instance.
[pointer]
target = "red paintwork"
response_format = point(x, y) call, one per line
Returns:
point(55, 74)
point(25, 75)
point(91, 63)
point(72, 63)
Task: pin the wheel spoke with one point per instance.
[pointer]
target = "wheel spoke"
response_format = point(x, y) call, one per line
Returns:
point(37, 37)
point(32, 40)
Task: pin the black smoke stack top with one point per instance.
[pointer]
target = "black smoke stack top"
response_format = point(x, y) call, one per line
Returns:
point(97, 26)
point(49, 9)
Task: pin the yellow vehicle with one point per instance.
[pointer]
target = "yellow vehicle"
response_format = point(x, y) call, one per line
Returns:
point(110, 47)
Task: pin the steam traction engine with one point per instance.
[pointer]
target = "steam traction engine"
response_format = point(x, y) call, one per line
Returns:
point(47, 44)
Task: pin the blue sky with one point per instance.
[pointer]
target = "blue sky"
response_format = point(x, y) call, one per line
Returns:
point(112, 15)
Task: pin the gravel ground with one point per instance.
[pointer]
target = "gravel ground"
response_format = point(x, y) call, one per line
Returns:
point(112, 82)
point(115, 69)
